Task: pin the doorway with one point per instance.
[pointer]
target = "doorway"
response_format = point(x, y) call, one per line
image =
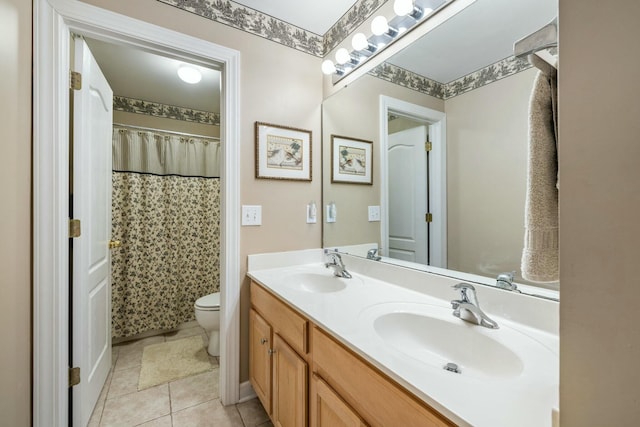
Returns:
point(54, 21)
point(436, 177)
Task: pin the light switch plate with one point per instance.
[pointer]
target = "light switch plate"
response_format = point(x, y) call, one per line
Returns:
point(374, 213)
point(251, 215)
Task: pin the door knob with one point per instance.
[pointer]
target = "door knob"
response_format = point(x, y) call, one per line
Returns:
point(114, 244)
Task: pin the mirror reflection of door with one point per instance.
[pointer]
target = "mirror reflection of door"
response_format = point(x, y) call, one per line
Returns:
point(408, 190)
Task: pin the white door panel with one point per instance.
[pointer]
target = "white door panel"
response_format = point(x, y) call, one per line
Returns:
point(407, 160)
point(91, 288)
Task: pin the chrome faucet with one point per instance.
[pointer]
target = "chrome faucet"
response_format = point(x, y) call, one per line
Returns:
point(371, 254)
point(467, 307)
point(505, 281)
point(335, 262)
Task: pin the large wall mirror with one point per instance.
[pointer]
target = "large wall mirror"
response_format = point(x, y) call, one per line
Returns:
point(460, 89)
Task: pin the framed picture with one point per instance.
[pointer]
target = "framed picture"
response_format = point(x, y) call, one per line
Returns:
point(282, 152)
point(351, 160)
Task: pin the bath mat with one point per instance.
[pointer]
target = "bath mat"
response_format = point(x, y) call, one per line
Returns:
point(169, 361)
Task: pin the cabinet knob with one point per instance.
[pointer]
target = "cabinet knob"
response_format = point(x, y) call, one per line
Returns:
point(263, 341)
point(271, 351)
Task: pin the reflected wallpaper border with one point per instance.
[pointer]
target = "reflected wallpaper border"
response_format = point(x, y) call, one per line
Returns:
point(482, 77)
point(156, 109)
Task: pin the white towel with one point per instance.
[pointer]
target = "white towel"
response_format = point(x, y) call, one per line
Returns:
point(540, 254)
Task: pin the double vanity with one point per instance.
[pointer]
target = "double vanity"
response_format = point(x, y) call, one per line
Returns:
point(393, 346)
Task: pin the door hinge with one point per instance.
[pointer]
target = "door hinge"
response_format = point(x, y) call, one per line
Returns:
point(428, 146)
point(74, 228)
point(74, 376)
point(75, 81)
point(428, 217)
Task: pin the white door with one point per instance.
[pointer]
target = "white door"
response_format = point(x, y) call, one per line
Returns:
point(91, 187)
point(408, 195)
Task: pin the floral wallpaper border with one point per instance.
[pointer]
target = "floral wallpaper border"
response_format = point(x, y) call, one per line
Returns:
point(139, 106)
point(252, 21)
point(489, 74)
point(400, 76)
point(351, 20)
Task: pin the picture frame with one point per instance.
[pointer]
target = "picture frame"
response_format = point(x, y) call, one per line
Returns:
point(351, 160)
point(283, 152)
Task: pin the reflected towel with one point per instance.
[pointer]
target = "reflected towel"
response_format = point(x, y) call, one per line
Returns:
point(540, 254)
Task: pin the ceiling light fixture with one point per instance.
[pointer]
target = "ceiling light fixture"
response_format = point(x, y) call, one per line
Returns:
point(328, 67)
point(189, 74)
point(408, 14)
point(403, 7)
point(343, 56)
point(380, 26)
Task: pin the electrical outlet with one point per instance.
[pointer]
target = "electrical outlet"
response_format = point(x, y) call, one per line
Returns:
point(251, 215)
point(374, 213)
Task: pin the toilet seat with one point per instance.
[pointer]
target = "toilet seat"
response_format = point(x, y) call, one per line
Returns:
point(209, 302)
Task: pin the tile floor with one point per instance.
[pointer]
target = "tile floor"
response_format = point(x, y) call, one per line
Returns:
point(192, 401)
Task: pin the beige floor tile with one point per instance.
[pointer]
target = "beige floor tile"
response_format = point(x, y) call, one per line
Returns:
point(124, 381)
point(183, 333)
point(136, 408)
point(211, 413)
point(191, 391)
point(252, 413)
point(129, 359)
point(136, 345)
point(158, 422)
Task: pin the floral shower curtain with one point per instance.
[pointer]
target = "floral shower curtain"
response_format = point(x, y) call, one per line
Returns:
point(168, 222)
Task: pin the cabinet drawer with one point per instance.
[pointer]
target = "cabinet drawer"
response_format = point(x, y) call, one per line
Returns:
point(379, 400)
point(284, 321)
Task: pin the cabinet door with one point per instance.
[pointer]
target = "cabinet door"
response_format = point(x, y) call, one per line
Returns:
point(289, 386)
point(328, 409)
point(260, 358)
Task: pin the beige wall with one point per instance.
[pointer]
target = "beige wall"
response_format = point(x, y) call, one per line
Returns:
point(487, 132)
point(15, 219)
point(354, 112)
point(599, 204)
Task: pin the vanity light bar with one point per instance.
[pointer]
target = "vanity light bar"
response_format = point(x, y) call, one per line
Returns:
point(409, 13)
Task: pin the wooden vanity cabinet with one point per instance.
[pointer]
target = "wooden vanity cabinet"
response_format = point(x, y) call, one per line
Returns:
point(327, 409)
point(278, 369)
point(295, 365)
point(260, 336)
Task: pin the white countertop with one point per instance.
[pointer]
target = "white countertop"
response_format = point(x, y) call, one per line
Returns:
point(495, 397)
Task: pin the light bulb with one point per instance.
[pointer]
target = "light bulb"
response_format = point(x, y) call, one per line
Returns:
point(379, 25)
point(328, 67)
point(189, 74)
point(359, 41)
point(343, 56)
point(403, 7)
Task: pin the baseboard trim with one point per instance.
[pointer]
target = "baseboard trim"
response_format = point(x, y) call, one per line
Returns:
point(246, 392)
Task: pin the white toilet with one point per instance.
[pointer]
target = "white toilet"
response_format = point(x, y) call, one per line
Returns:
point(208, 316)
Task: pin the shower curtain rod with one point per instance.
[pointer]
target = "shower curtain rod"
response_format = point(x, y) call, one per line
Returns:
point(216, 138)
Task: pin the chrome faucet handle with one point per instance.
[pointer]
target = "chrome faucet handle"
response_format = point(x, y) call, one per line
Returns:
point(335, 258)
point(464, 288)
point(505, 281)
point(371, 254)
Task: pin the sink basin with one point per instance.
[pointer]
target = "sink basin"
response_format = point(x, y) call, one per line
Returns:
point(316, 282)
point(432, 336)
point(438, 342)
